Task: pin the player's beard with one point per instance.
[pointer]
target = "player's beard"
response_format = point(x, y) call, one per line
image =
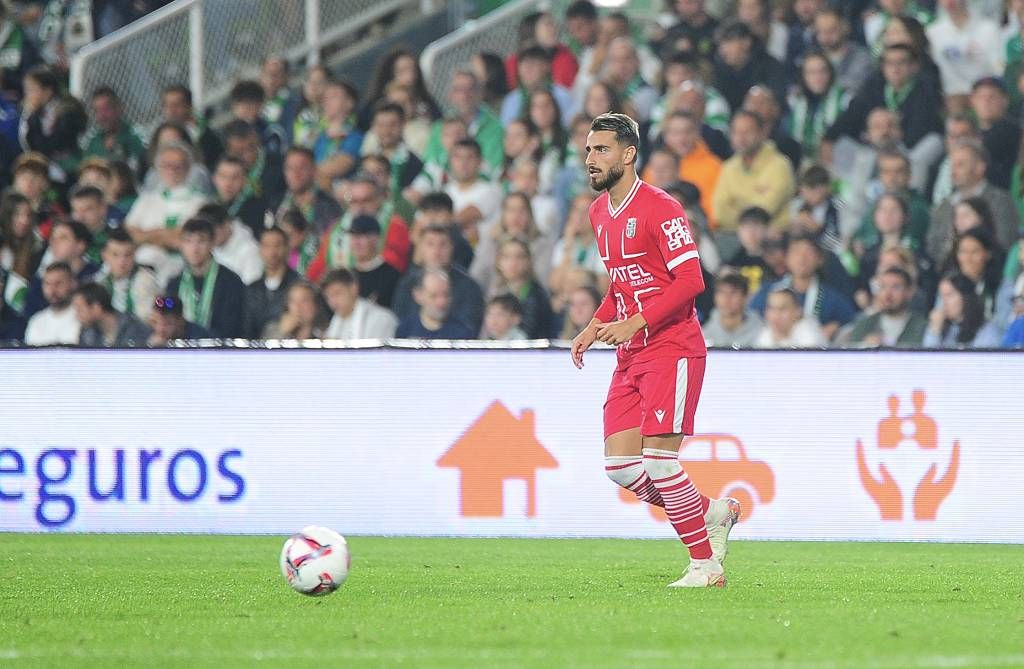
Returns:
point(614, 174)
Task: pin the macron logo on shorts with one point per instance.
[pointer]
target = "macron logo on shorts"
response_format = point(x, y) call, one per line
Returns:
point(659, 414)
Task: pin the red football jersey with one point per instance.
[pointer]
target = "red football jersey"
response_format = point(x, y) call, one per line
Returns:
point(642, 242)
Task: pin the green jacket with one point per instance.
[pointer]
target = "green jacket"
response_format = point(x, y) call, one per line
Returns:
point(488, 133)
point(912, 335)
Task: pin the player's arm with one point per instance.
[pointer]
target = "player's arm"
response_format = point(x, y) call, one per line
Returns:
point(584, 340)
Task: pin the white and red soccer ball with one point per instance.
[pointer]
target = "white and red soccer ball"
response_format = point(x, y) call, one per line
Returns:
point(315, 561)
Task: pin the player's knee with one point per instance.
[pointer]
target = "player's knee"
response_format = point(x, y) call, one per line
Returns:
point(660, 464)
point(623, 470)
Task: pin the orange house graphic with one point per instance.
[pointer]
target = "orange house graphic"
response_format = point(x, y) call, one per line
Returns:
point(497, 447)
point(912, 430)
point(726, 471)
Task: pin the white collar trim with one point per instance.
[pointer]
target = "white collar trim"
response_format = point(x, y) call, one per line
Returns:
point(625, 202)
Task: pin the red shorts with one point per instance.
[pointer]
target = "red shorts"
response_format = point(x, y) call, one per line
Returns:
point(659, 397)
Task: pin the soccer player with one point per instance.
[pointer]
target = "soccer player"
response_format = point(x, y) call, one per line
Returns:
point(648, 313)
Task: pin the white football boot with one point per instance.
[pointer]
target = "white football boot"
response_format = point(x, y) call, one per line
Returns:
point(702, 574)
point(721, 516)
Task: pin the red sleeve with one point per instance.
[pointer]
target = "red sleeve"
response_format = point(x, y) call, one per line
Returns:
point(396, 244)
point(564, 67)
point(687, 284)
point(678, 250)
point(511, 72)
point(606, 311)
point(318, 267)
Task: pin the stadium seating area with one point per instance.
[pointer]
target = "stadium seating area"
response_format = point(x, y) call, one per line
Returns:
point(852, 169)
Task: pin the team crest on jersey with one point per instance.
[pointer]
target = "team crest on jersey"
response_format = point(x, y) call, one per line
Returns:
point(631, 228)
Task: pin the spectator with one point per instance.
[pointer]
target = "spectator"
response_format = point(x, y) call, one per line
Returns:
point(815, 104)
point(307, 122)
point(889, 12)
point(354, 317)
point(56, 324)
point(730, 324)
point(612, 27)
point(436, 209)
point(583, 26)
point(400, 70)
point(378, 168)
point(132, 287)
point(989, 103)
point(577, 249)
point(622, 72)
point(544, 114)
point(525, 178)
point(176, 107)
point(21, 247)
point(801, 33)
point(386, 137)
point(816, 212)
point(684, 68)
point(12, 324)
point(895, 323)
point(69, 243)
point(234, 247)
point(232, 193)
point(436, 172)
point(534, 75)
point(167, 320)
point(959, 127)
point(376, 279)
point(111, 137)
point(477, 201)
point(571, 179)
point(740, 64)
point(434, 251)
point(958, 319)
point(336, 148)
point(539, 29)
point(303, 317)
point(18, 54)
point(198, 175)
point(122, 192)
point(433, 319)
point(489, 69)
point(247, 99)
point(758, 16)
point(51, 123)
point(212, 296)
point(265, 297)
point(962, 47)
point(264, 173)
point(661, 168)
point(785, 324)
point(1014, 337)
point(601, 96)
point(818, 300)
point(692, 98)
point(582, 303)
point(465, 98)
point(851, 62)
point(89, 207)
point(101, 325)
point(693, 26)
point(281, 103)
point(364, 197)
point(304, 193)
point(893, 169)
point(697, 164)
point(749, 261)
point(418, 119)
point(303, 243)
point(762, 101)
point(915, 100)
point(516, 220)
point(968, 167)
point(758, 175)
point(891, 229)
point(97, 172)
point(502, 317)
point(32, 179)
point(522, 142)
point(514, 274)
point(154, 219)
point(976, 256)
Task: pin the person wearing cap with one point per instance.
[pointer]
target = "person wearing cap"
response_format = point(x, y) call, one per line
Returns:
point(1000, 132)
point(965, 47)
point(167, 321)
point(354, 317)
point(212, 295)
point(376, 279)
point(102, 325)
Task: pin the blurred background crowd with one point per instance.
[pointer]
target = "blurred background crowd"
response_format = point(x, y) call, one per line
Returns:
point(852, 171)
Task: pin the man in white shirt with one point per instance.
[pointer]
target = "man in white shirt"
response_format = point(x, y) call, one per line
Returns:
point(785, 325)
point(57, 324)
point(354, 317)
point(477, 202)
point(965, 47)
point(233, 243)
point(155, 219)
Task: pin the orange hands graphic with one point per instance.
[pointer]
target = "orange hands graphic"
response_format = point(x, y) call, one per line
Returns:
point(931, 493)
point(886, 492)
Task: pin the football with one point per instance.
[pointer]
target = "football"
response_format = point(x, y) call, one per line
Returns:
point(315, 561)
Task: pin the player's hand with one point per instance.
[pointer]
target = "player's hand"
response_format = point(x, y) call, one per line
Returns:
point(581, 343)
point(619, 332)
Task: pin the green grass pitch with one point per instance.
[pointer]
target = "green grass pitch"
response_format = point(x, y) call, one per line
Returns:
point(212, 601)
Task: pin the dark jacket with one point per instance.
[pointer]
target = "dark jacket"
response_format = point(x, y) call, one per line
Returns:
point(263, 305)
point(131, 333)
point(912, 335)
point(920, 113)
point(762, 69)
point(467, 298)
point(228, 308)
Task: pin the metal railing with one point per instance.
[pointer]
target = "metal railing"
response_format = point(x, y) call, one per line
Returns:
point(210, 44)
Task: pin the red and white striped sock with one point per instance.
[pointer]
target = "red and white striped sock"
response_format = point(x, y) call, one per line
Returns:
point(628, 471)
point(683, 504)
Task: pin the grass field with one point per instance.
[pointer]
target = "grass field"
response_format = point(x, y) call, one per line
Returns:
point(202, 601)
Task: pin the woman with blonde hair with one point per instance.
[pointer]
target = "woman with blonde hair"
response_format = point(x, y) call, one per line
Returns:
point(514, 274)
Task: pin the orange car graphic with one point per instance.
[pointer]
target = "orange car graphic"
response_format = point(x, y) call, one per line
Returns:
point(719, 467)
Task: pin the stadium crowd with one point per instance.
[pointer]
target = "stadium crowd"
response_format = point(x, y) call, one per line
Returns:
point(852, 170)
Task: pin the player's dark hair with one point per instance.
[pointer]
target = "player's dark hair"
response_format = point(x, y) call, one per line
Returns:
point(733, 280)
point(508, 302)
point(626, 130)
point(94, 293)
